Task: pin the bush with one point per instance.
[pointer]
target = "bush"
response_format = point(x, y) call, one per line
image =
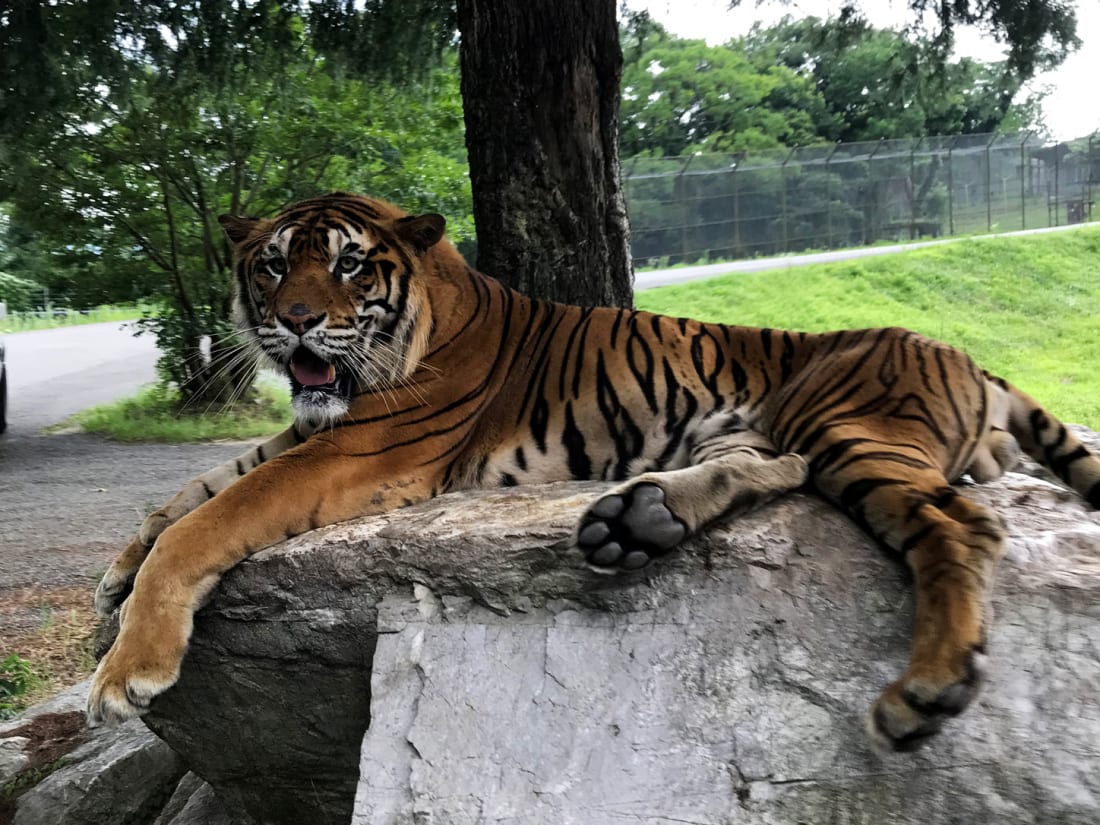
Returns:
point(18, 293)
point(17, 677)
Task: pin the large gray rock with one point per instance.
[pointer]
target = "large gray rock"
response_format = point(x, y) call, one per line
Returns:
point(732, 689)
point(727, 684)
point(123, 780)
point(70, 774)
point(274, 695)
point(122, 775)
point(13, 757)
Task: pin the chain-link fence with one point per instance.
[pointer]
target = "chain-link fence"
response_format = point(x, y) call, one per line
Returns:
point(741, 205)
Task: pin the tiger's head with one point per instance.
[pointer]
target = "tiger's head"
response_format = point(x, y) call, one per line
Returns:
point(328, 290)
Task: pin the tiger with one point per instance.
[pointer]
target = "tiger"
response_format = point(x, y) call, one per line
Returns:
point(412, 375)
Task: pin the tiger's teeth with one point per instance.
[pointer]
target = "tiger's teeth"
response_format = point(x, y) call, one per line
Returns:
point(331, 374)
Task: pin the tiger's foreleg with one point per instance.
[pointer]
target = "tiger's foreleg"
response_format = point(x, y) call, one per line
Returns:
point(116, 583)
point(304, 489)
point(649, 515)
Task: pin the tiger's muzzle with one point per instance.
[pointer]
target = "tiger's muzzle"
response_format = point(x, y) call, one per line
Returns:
point(315, 381)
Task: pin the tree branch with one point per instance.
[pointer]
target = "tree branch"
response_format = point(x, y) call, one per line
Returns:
point(181, 290)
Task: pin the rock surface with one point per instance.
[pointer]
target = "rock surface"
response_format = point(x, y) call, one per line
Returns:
point(194, 803)
point(122, 775)
point(13, 758)
point(122, 778)
point(731, 684)
point(726, 684)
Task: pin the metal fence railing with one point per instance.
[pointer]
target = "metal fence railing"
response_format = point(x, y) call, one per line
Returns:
point(740, 205)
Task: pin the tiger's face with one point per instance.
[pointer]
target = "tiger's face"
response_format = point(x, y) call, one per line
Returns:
point(329, 292)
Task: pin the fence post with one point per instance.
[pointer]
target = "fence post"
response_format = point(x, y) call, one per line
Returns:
point(783, 197)
point(912, 184)
point(1057, 188)
point(628, 176)
point(869, 208)
point(681, 191)
point(951, 187)
point(1088, 180)
point(1023, 180)
point(829, 198)
point(734, 184)
point(989, 186)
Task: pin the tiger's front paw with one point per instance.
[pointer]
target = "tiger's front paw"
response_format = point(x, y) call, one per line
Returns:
point(143, 663)
point(626, 529)
point(112, 591)
point(157, 522)
point(118, 581)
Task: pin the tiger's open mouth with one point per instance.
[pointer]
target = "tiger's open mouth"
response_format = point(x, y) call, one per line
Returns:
point(311, 373)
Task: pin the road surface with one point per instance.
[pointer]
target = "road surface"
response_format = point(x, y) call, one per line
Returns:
point(53, 373)
point(68, 503)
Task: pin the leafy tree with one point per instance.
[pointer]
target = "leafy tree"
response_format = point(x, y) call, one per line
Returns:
point(17, 294)
point(539, 90)
point(205, 114)
point(64, 273)
point(880, 83)
point(1040, 34)
point(912, 89)
point(681, 95)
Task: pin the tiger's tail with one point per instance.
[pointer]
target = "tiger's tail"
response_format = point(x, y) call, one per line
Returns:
point(1050, 442)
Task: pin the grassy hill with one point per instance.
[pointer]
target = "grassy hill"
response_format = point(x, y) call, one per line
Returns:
point(1027, 308)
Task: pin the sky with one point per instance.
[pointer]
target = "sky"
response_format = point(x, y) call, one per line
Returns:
point(1070, 109)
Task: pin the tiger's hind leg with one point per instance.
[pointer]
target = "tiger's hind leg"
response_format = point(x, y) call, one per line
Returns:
point(952, 545)
point(649, 515)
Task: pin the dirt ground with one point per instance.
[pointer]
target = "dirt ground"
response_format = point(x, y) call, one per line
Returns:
point(68, 504)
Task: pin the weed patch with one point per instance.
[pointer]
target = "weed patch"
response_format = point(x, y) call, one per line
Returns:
point(154, 414)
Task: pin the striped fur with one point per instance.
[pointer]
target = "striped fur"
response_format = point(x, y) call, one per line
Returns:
point(443, 379)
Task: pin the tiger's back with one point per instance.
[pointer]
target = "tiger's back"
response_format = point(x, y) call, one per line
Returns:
point(609, 394)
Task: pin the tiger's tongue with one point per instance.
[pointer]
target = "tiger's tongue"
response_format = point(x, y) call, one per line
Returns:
point(310, 371)
point(313, 376)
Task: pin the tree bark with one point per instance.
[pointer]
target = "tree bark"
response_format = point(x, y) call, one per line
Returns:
point(540, 86)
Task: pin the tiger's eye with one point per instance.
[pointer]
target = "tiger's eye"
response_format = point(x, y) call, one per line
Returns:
point(277, 266)
point(346, 263)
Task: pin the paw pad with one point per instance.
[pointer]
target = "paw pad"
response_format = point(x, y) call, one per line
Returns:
point(626, 530)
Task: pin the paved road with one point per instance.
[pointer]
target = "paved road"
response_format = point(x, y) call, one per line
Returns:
point(69, 502)
point(53, 373)
point(65, 494)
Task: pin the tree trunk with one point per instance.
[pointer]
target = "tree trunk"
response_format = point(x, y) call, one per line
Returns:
point(540, 85)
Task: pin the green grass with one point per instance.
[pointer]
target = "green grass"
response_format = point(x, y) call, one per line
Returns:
point(1027, 309)
point(154, 415)
point(25, 321)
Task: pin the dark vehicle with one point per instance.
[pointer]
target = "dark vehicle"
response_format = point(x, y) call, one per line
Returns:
point(3, 391)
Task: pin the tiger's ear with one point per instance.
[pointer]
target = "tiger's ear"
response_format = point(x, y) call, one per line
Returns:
point(421, 232)
point(237, 228)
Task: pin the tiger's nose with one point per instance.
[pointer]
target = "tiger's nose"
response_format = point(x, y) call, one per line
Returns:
point(299, 319)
